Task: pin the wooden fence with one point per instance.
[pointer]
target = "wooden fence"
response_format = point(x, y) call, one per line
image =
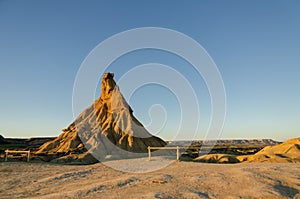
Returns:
point(177, 148)
point(7, 152)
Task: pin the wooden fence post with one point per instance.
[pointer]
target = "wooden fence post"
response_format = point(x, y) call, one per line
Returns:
point(6, 155)
point(177, 153)
point(149, 153)
point(28, 156)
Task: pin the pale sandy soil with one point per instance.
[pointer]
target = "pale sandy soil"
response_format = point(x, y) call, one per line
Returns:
point(178, 180)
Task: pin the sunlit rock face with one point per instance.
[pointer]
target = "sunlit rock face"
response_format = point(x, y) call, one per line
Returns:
point(106, 127)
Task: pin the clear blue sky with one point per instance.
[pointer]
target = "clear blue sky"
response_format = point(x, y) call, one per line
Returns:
point(255, 44)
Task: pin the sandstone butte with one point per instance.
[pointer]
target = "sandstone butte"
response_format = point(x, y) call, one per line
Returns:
point(107, 128)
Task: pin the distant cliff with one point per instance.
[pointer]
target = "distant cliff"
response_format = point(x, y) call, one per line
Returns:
point(258, 142)
point(29, 143)
point(2, 140)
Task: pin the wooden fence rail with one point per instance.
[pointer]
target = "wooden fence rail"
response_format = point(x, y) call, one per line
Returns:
point(170, 148)
point(17, 152)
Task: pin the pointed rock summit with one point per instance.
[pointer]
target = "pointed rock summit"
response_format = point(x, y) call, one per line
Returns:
point(106, 128)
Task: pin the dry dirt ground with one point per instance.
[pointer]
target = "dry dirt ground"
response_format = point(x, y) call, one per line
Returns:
point(177, 180)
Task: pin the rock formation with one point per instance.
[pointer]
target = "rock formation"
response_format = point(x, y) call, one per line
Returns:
point(288, 151)
point(107, 127)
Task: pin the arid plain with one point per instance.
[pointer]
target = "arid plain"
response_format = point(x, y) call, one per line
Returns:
point(178, 180)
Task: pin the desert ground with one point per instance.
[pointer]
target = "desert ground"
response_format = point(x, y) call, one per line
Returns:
point(177, 180)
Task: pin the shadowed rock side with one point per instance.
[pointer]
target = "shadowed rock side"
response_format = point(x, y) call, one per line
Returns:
point(288, 151)
point(107, 123)
point(2, 140)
